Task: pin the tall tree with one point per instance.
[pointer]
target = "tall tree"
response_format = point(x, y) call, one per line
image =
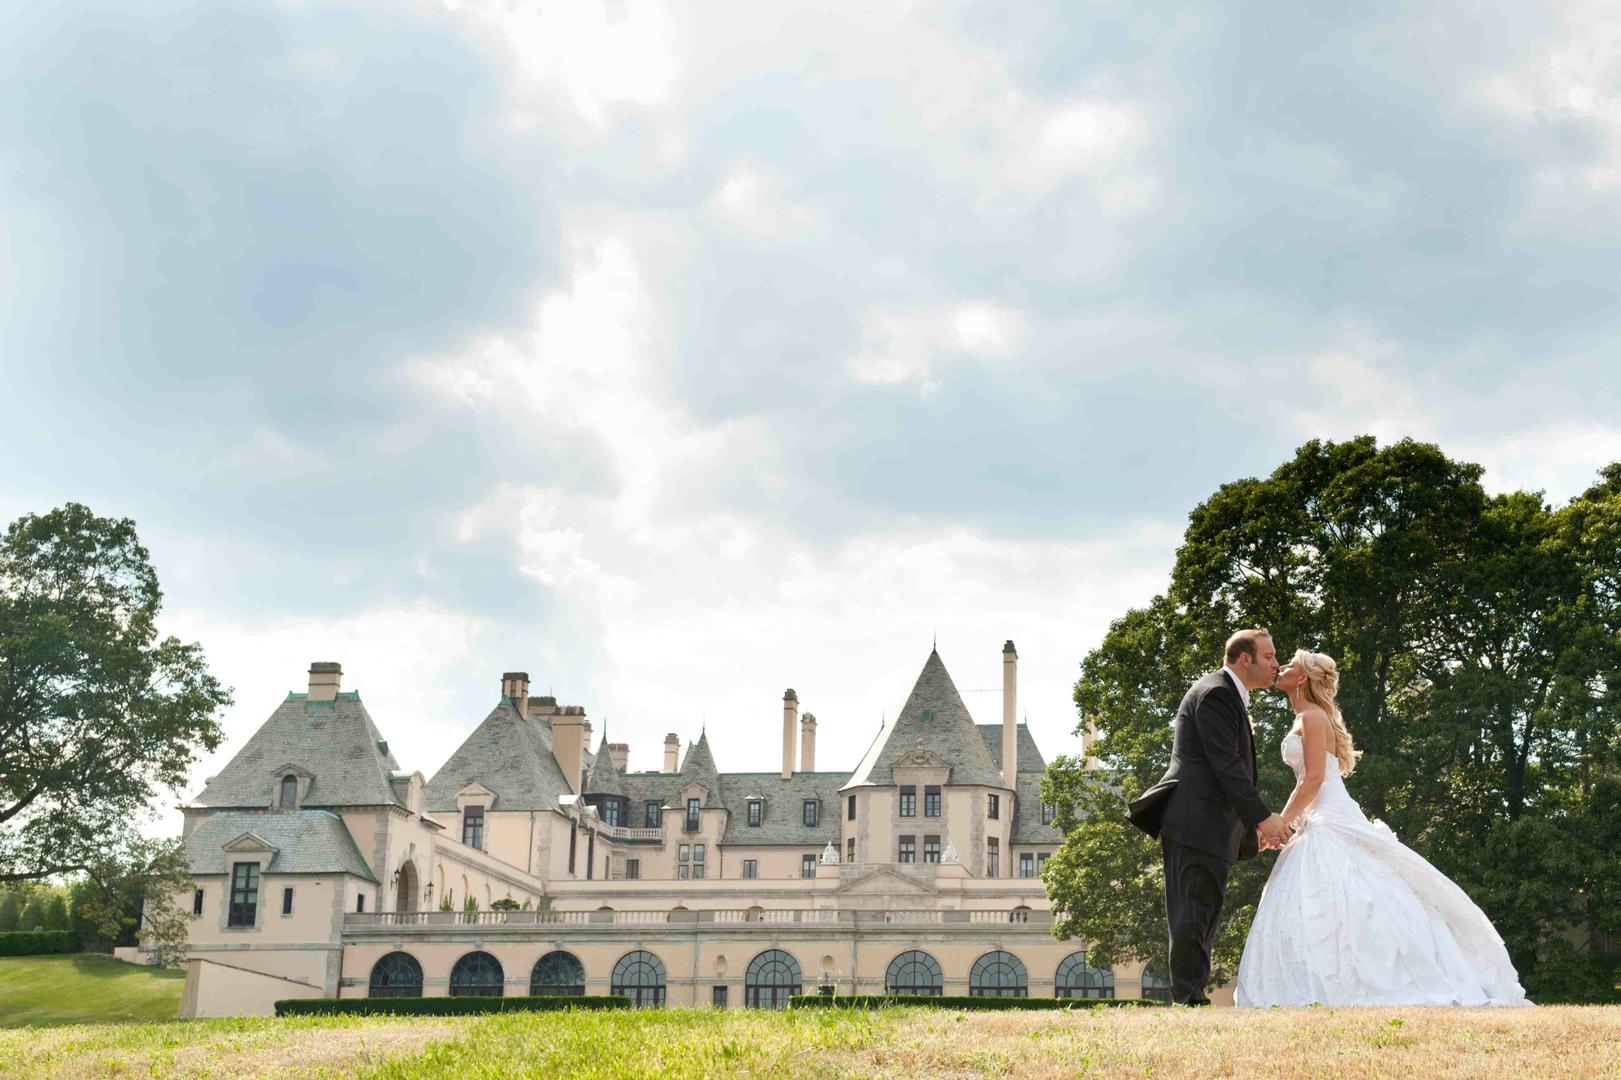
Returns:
point(1472, 675)
point(98, 715)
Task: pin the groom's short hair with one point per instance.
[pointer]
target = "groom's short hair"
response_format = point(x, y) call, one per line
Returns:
point(1242, 643)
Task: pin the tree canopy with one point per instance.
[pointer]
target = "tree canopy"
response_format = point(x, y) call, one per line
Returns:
point(1478, 639)
point(98, 715)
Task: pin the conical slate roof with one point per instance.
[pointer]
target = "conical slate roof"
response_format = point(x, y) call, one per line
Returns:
point(699, 768)
point(334, 741)
point(510, 755)
point(603, 778)
point(935, 718)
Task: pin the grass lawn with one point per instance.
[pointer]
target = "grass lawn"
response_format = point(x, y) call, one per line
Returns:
point(1346, 1044)
point(41, 990)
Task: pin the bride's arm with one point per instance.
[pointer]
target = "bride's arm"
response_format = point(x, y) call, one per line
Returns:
point(1314, 737)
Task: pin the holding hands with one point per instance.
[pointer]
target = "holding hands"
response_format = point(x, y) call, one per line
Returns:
point(1272, 833)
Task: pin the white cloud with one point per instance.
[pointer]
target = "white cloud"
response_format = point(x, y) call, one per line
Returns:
point(899, 348)
point(1570, 80)
point(752, 202)
point(600, 56)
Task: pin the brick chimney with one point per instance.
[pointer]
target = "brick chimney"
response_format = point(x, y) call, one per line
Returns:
point(790, 720)
point(515, 688)
point(672, 753)
point(325, 677)
point(807, 743)
point(1010, 717)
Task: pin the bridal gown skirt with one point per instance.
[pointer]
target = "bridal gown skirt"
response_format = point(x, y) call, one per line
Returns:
point(1351, 916)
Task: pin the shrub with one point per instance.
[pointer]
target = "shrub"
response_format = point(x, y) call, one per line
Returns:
point(38, 942)
point(11, 910)
point(442, 1006)
point(890, 1001)
point(56, 912)
point(33, 916)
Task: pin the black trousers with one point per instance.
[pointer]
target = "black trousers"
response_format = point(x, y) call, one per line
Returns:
point(1195, 886)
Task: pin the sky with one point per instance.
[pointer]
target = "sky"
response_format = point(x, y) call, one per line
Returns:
point(681, 353)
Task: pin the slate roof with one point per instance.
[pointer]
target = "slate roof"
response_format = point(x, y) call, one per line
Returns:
point(934, 717)
point(604, 778)
point(1030, 759)
point(510, 755)
point(782, 817)
point(642, 788)
point(334, 741)
point(1027, 826)
point(306, 842)
point(699, 768)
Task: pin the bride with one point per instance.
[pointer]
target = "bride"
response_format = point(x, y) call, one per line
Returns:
point(1350, 915)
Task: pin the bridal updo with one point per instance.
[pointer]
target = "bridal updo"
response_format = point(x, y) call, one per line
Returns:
point(1322, 686)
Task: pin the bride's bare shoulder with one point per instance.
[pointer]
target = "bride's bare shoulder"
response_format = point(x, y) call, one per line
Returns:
point(1312, 718)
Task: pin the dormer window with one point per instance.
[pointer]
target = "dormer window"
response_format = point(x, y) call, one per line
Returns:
point(288, 799)
point(808, 813)
point(473, 827)
point(756, 812)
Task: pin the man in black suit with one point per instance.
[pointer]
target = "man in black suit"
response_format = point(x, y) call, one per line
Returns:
point(1205, 810)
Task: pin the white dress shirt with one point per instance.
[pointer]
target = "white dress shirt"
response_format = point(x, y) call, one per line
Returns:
point(1243, 691)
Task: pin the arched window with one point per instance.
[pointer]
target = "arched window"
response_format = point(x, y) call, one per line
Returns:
point(558, 972)
point(1075, 979)
point(639, 976)
point(1156, 987)
point(396, 975)
point(289, 792)
point(478, 974)
point(999, 974)
point(405, 894)
point(773, 977)
point(913, 972)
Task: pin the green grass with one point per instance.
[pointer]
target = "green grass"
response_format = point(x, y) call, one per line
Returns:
point(78, 989)
point(833, 1044)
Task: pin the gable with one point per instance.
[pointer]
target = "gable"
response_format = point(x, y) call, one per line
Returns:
point(884, 881)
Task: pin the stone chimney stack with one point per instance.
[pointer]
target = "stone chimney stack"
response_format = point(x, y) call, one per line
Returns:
point(569, 733)
point(1010, 717)
point(325, 676)
point(515, 688)
point(807, 743)
point(672, 753)
point(790, 720)
point(620, 753)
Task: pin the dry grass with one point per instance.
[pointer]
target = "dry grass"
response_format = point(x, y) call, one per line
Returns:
point(214, 1048)
point(1345, 1044)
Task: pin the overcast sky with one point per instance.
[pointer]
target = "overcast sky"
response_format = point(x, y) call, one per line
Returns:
point(682, 353)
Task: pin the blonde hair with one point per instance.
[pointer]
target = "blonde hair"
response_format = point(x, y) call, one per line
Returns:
point(1321, 687)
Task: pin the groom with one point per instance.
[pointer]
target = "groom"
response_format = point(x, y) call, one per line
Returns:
point(1205, 811)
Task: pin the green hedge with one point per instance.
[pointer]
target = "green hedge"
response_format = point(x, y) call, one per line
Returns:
point(441, 1006)
point(38, 942)
point(887, 1001)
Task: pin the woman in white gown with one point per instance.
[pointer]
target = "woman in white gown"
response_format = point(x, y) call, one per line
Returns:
point(1350, 915)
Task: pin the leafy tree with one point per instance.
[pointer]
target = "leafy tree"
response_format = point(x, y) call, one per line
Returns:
point(1477, 674)
point(148, 886)
point(98, 715)
point(33, 916)
point(11, 910)
point(56, 911)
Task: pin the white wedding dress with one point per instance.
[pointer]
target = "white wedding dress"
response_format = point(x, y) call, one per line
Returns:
point(1352, 916)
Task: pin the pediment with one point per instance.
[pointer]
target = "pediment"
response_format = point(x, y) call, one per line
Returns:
point(919, 757)
point(249, 841)
point(885, 881)
point(475, 790)
point(291, 767)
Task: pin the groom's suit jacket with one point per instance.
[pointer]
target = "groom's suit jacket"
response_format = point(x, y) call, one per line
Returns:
point(1207, 799)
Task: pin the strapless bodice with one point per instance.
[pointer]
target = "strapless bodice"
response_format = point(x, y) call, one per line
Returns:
point(1332, 796)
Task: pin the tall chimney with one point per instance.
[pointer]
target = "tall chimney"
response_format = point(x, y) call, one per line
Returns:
point(807, 743)
point(515, 688)
point(672, 753)
point(1010, 717)
point(325, 675)
point(790, 720)
point(620, 753)
point(569, 732)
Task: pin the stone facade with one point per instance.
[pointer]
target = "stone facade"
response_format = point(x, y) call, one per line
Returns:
point(528, 862)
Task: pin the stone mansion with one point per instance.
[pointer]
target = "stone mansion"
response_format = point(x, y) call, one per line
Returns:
point(529, 864)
